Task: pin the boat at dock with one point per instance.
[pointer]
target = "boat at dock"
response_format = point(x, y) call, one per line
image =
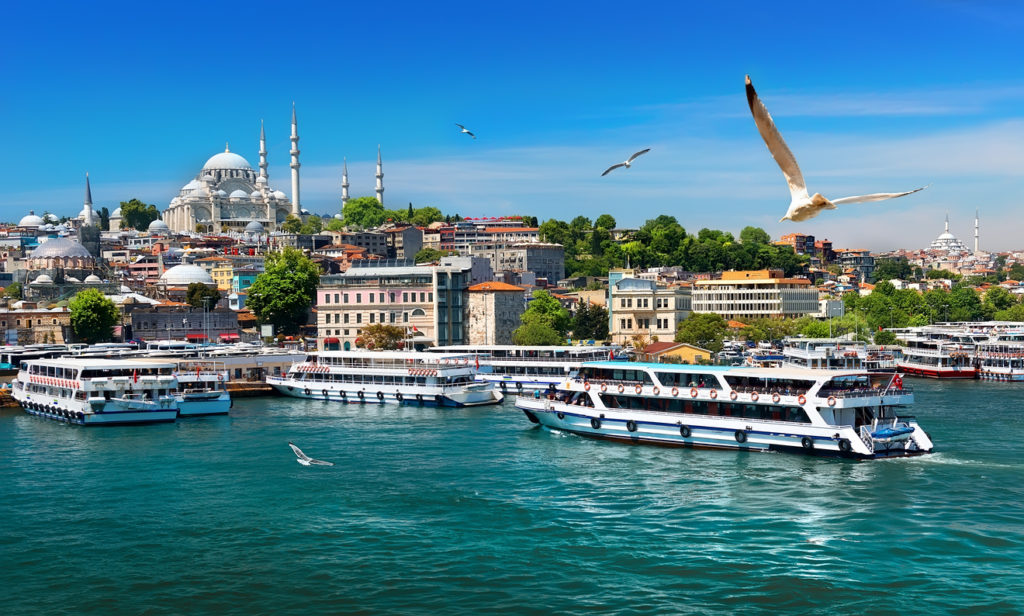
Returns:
point(388, 377)
point(202, 387)
point(1001, 357)
point(92, 392)
point(839, 413)
point(837, 354)
point(936, 353)
point(518, 368)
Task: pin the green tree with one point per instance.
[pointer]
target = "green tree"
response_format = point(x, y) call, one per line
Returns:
point(939, 274)
point(885, 288)
point(425, 215)
point(364, 212)
point(590, 322)
point(887, 269)
point(93, 316)
point(104, 219)
point(965, 305)
point(335, 225)
point(605, 221)
point(886, 338)
point(544, 308)
point(754, 235)
point(13, 290)
point(292, 224)
point(554, 231)
point(282, 294)
point(998, 298)
point(537, 333)
point(705, 329)
point(1013, 313)
point(430, 255)
point(137, 215)
point(313, 225)
point(382, 337)
point(199, 295)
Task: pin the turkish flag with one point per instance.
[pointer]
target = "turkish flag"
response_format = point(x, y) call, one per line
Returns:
point(477, 362)
point(135, 375)
point(414, 328)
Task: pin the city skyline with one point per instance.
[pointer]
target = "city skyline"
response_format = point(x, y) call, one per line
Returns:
point(553, 98)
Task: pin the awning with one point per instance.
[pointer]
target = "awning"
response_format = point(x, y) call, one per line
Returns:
point(229, 337)
point(196, 336)
point(331, 341)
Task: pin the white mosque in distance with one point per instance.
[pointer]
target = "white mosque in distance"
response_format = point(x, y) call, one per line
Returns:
point(228, 195)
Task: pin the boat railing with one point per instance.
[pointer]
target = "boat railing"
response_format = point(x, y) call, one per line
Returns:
point(865, 392)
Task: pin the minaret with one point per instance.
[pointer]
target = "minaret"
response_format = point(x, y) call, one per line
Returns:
point(263, 151)
point(296, 209)
point(947, 222)
point(87, 219)
point(344, 182)
point(976, 237)
point(380, 178)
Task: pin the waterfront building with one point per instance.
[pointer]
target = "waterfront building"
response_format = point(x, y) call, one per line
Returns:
point(645, 308)
point(540, 259)
point(33, 325)
point(495, 311)
point(428, 302)
point(184, 323)
point(755, 294)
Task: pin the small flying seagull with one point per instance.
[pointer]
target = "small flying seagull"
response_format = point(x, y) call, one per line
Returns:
point(465, 130)
point(802, 206)
point(626, 163)
point(305, 460)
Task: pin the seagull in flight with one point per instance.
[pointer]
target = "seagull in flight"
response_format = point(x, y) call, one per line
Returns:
point(465, 130)
point(626, 163)
point(305, 460)
point(802, 206)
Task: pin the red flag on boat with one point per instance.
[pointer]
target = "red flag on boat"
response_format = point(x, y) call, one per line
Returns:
point(135, 375)
point(477, 362)
point(414, 328)
point(611, 355)
point(898, 382)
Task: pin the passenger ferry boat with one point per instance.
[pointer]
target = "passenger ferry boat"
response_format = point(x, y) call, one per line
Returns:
point(517, 368)
point(202, 388)
point(937, 354)
point(850, 414)
point(1001, 358)
point(824, 353)
point(383, 377)
point(93, 392)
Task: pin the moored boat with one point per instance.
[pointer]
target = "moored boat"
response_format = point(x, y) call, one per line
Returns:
point(97, 391)
point(387, 377)
point(516, 368)
point(202, 388)
point(850, 414)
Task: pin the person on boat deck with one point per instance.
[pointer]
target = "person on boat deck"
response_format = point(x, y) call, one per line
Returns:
point(536, 394)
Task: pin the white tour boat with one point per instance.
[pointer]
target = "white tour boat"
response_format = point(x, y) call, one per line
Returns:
point(382, 377)
point(850, 414)
point(202, 388)
point(936, 353)
point(95, 392)
point(515, 368)
point(1001, 357)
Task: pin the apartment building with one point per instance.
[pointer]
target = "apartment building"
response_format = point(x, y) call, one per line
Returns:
point(643, 307)
point(755, 294)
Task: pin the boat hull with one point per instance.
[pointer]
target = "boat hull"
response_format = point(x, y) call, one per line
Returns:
point(932, 372)
point(450, 397)
point(199, 405)
point(111, 415)
point(706, 432)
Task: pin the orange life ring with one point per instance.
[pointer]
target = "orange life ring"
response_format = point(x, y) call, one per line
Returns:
point(604, 386)
point(754, 396)
point(621, 388)
point(693, 392)
point(638, 388)
point(675, 391)
point(733, 395)
point(586, 387)
point(713, 393)
point(831, 400)
point(801, 399)
point(776, 398)
point(656, 390)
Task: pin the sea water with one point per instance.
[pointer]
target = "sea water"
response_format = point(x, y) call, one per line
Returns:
point(467, 511)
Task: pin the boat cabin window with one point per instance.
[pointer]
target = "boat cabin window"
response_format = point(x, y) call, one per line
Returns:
point(686, 406)
point(786, 387)
point(615, 374)
point(686, 379)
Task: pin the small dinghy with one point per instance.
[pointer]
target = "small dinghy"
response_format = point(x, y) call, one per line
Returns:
point(892, 434)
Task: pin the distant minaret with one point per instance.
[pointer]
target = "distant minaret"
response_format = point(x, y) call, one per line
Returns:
point(976, 237)
point(87, 218)
point(296, 209)
point(344, 181)
point(380, 178)
point(263, 152)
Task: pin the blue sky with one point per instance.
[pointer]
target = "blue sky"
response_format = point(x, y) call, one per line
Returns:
point(872, 97)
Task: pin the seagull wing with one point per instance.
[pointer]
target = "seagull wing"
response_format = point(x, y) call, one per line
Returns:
point(875, 197)
point(609, 169)
point(469, 133)
point(633, 157)
point(460, 126)
point(320, 462)
point(776, 145)
point(299, 454)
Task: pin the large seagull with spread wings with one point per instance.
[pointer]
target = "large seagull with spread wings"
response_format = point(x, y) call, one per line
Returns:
point(803, 206)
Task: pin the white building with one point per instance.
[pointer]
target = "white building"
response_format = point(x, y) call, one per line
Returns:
point(755, 294)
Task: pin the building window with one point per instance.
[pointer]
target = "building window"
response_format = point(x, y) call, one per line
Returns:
point(359, 317)
point(405, 297)
point(337, 317)
point(423, 296)
point(392, 297)
point(335, 298)
point(382, 317)
point(405, 317)
point(371, 317)
point(346, 318)
point(345, 297)
point(381, 299)
point(430, 296)
point(359, 298)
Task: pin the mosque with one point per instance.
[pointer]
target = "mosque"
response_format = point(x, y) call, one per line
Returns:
point(229, 195)
point(949, 243)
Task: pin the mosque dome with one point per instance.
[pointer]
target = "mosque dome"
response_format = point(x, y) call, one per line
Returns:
point(238, 194)
point(207, 177)
point(51, 218)
point(159, 226)
point(227, 160)
point(31, 220)
point(185, 274)
point(280, 195)
point(92, 278)
point(222, 194)
point(256, 194)
point(116, 214)
point(339, 216)
point(60, 247)
point(254, 227)
point(73, 280)
point(43, 279)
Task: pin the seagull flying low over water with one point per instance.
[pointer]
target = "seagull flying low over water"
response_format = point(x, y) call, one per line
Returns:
point(464, 130)
point(802, 206)
point(626, 163)
point(305, 460)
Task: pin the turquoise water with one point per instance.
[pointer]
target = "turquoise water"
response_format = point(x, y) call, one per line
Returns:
point(458, 511)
